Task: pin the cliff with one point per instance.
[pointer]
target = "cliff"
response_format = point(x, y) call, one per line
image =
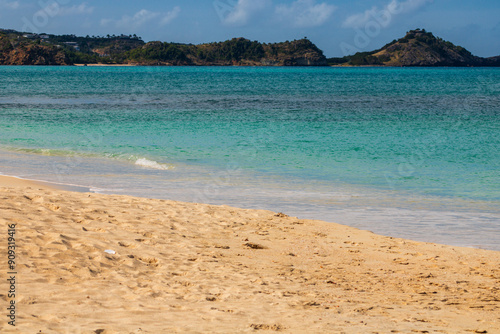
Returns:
point(19, 53)
point(18, 48)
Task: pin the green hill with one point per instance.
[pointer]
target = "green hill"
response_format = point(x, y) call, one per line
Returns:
point(417, 48)
point(29, 49)
point(18, 48)
point(237, 51)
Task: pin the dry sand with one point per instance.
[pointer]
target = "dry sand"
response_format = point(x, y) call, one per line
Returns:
point(195, 268)
point(105, 65)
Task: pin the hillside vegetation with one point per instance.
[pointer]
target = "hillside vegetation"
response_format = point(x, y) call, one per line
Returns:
point(417, 48)
point(28, 49)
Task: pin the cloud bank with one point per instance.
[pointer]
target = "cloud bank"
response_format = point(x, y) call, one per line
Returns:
point(393, 8)
point(9, 4)
point(305, 13)
point(76, 10)
point(244, 10)
point(142, 17)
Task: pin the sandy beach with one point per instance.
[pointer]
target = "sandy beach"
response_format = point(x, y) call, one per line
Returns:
point(104, 65)
point(90, 263)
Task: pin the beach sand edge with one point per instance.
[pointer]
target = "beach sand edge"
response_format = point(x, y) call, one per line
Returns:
point(92, 263)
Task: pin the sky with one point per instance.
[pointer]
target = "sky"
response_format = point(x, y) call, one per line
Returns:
point(338, 27)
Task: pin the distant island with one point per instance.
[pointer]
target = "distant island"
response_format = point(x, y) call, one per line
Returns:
point(417, 48)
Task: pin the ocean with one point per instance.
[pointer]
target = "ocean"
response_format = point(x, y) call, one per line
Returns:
point(403, 152)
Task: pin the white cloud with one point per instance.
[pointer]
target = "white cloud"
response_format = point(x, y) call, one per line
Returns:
point(306, 13)
point(141, 17)
point(76, 10)
point(170, 16)
point(360, 19)
point(393, 8)
point(407, 6)
point(137, 20)
point(244, 10)
point(53, 9)
point(9, 4)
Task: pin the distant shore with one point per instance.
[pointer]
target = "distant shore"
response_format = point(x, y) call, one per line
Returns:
point(105, 65)
point(418, 48)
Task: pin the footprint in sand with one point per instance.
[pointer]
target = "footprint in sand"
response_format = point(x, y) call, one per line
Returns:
point(275, 327)
point(93, 229)
point(34, 199)
point(52, 207)
point(40, 199)
point(127, 244)
point(150, 261)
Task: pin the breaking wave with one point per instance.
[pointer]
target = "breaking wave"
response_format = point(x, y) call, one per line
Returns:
point(143, 162)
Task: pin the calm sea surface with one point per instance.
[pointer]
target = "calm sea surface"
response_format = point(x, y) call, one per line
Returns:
point(411, 153)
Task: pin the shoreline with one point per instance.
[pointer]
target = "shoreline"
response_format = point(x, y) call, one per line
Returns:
point(126, 263)
point(427, 219)
point(410, 223)
point(10, 180)
point(18, 182)
point(104, 65)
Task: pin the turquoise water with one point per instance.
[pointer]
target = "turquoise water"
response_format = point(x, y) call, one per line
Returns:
point(404, 152)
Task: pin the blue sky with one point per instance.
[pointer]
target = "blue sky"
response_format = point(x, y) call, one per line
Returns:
point(338, 27)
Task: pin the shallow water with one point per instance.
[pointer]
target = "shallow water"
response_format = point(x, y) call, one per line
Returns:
point(402, 152)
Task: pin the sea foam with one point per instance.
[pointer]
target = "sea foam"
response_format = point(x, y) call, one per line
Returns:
point(143, 162)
